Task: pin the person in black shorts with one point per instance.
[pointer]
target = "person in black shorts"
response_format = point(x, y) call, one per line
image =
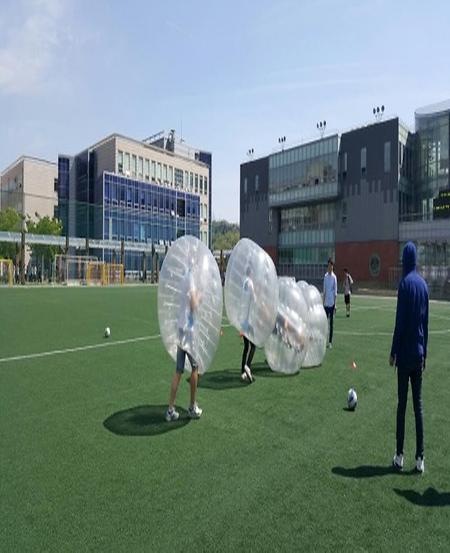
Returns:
point(348, 281)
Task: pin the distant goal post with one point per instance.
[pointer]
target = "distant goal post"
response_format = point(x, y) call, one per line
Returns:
point(6, 272)
point(72, 269)
point(105, 274)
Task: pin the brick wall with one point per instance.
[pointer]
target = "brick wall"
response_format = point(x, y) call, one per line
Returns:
point(357, 257)
point(273, 252)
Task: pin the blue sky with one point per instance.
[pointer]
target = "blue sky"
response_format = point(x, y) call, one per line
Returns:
point(237, 74)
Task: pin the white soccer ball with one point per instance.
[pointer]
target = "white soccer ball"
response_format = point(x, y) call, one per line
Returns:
point(352, 399)
point(107, 332)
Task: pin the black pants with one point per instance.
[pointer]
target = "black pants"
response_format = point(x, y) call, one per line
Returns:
point(330, 314)
point(405, 374)
point(247, 356)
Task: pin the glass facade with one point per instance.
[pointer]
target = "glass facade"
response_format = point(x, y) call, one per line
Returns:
point(302, 179)
point(305, 173)
point(141, 212)
point(432, 165)
point(307, 234)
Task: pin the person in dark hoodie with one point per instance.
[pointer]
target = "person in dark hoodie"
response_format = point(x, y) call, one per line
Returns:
point(409, 351)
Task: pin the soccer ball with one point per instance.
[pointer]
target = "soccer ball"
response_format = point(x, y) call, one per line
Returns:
point(352, 399)
point(107, 332)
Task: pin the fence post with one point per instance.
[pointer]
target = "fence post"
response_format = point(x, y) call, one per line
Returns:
point(22, 258)
point(122, 254)
point(144, 266)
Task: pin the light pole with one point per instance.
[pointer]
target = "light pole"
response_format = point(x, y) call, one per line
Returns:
point(321, 126)
point(378, 112)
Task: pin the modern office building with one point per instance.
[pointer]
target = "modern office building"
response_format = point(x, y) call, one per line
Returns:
point(29, 186)
point(150, 191)
point(426, 217)
point(355, 197)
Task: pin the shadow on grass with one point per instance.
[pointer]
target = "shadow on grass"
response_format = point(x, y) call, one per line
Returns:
point(430, 497)
point(221, 380)
point(368, 471)
point(263, 369)
point(144, 420)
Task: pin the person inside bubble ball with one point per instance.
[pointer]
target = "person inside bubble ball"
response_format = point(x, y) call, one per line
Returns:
point(247, 299)
point(186, 321)
point(289, 331)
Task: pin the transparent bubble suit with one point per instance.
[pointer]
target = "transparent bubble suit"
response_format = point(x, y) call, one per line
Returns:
point(286, 347)
point(190, 277)
point(317, 324)
point(251, 291)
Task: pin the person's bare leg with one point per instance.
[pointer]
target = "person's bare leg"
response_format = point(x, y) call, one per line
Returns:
point(193, 381)
point(173, 389)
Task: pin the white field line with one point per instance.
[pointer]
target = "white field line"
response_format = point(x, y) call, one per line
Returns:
point(82, 348)
point(156, 336)
point(79, 348)
point(349, 333)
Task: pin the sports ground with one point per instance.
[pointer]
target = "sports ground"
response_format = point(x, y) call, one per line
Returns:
point(87, 462)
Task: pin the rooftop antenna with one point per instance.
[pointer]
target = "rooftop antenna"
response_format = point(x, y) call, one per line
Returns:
point(181, 134)
point(250, 153)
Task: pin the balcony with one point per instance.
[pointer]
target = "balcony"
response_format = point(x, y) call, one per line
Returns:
point(297, 194)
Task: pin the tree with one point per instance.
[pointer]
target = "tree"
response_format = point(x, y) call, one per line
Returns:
point(226, 241)
point(45, 225)
point(225, 235)
point(10, 221)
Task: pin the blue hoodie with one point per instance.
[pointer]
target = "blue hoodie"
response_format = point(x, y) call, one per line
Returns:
point(409, 343)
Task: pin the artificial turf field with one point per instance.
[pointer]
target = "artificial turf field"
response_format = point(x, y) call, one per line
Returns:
point(87, 462)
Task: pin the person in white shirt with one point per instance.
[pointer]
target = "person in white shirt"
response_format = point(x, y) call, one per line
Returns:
point(329, 297)
point(348, 281)
point(190, 300)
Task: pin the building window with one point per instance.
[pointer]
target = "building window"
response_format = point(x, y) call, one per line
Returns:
point(363, 161)
point(256, 183)
point(205, 185)
point(120, 162)
point(127, 163)
point(191, 180)
point(171, 175)
point(186, 179)
point(133, 165)
point(178, 178)
point(153, 170)
point(196, 183)
point(344, 165)
point(245, 185)
point(147, 169)
point(141, 167)
point(201, 184)
point(158, 171)
point(387, 157)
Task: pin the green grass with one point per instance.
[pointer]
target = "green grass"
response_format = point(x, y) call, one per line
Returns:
point(87, 464)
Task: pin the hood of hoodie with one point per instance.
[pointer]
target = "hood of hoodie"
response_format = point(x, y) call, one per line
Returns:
point(409, 258)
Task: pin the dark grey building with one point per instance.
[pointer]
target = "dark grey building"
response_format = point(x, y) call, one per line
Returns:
point(355, 197)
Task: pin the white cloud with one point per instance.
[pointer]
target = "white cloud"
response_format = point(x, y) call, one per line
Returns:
point(31, 44)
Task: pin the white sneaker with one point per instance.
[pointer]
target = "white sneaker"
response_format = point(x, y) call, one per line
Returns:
point(244, 377)
point(330, 345)
point(397, 462)
point(194, 411)
point(248, 372)
point(420, 465)
point(172, 415)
